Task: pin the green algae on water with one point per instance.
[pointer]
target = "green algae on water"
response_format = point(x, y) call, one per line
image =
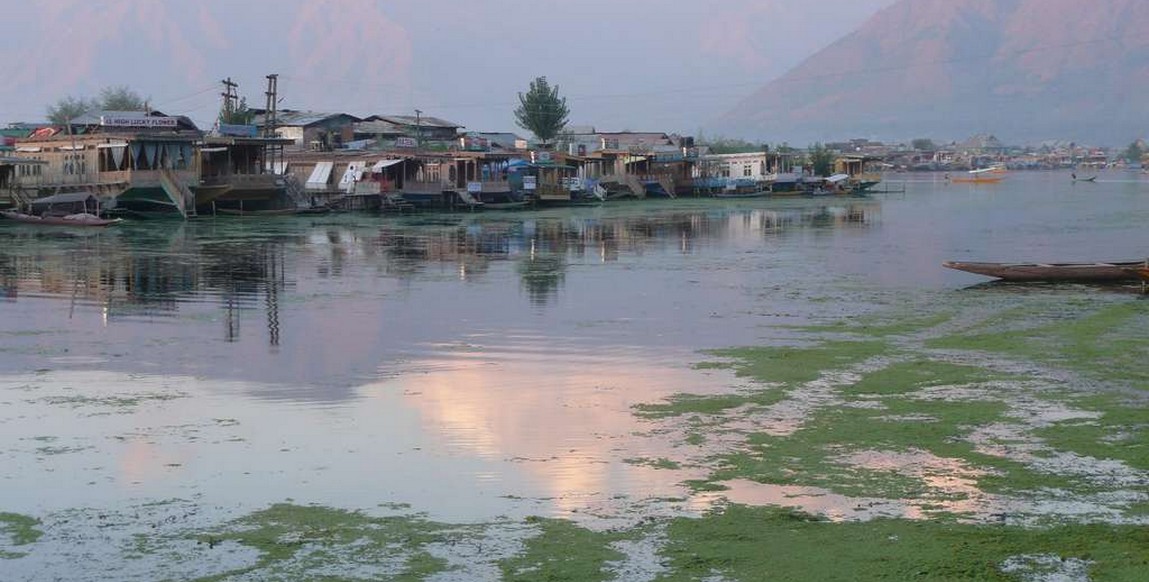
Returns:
point(295, 541)
point(20, 530)
point(563, 551)
point(746, 544)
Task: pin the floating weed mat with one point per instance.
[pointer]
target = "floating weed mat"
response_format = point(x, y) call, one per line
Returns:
point(971, 407)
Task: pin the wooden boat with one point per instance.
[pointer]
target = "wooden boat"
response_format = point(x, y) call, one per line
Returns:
point(1089, 179)
point(1141, 272)
point(981, 176)
point(1053, 272)
point(80, 219)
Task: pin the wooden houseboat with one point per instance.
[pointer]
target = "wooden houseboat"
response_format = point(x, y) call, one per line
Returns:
point(129, 160)
point(241, 171)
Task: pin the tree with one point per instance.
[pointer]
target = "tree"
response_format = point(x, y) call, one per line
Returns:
point(121, 98)
point(118, 98)
point(821, 159)
point(69, 108)
point(542, 111)
point(923, 145)
point(241, 115)
point(1134, 152)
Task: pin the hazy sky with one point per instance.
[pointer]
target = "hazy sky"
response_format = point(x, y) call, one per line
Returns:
point(623, 64)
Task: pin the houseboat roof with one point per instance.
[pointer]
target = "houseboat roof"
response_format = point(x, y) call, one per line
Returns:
point(293, 118)
point(413, 121)
point(502, 140)
point(228, 140)
point(110, 120)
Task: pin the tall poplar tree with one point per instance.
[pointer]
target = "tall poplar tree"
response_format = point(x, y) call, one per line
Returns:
point(542, 111)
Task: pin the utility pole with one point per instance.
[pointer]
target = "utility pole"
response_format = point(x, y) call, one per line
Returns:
point(418, 130)
point(269, 114)
point(230, 101)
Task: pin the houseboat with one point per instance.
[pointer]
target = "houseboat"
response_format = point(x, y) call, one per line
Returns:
point(130, 160)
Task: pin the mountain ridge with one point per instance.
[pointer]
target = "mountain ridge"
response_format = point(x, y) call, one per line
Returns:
point(1022, 69)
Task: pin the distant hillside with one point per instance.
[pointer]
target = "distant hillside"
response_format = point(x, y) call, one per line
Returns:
point(169, 51)
point(1022, 69)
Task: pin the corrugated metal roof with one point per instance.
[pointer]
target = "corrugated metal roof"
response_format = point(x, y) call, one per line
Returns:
point(412, 121)
point(290, 117)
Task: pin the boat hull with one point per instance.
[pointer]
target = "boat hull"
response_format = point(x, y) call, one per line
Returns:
point(1053, 272)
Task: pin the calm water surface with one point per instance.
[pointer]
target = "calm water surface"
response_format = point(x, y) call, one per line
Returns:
point(469, 365)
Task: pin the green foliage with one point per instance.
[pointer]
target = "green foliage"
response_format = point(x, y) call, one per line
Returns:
point(240, 115)
point(542, 111)
point(1134, 152)
point(121, 98)
point(117, 98)
point(822, 160)
point(723, 145)
point(923, 145)
point(69, 108)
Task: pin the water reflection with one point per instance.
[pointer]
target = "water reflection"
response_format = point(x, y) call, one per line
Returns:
point(325, 305)
point(150, 271)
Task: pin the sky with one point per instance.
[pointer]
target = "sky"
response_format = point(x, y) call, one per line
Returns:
point(641, 65)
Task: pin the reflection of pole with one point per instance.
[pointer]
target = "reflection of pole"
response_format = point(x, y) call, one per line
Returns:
point(272, 301)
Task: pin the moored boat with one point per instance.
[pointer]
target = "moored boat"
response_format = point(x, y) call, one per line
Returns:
point(1053, 272)
point(79, 219)
point(990, 175)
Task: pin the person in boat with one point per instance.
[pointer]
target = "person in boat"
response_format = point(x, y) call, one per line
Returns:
point(1074, 175)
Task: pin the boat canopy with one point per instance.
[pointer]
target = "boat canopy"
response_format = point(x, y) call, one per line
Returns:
point(383, 164)
point(836, 178)
point(320, 175)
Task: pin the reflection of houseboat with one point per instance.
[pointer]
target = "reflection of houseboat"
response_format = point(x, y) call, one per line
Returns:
point(130, 160)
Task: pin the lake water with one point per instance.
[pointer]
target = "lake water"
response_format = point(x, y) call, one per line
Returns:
point(470, 365)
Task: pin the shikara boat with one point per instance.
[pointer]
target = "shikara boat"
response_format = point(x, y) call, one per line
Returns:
point(981, 176)
point(1141, 272)
point(1054, 272)
point(80, 219)
point(1089, 179)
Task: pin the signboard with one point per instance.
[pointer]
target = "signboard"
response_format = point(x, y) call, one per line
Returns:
point(238, 130)
point(474, 187)
point(544, 156)
point(138, 122)
point(530, 183)
point(406, 142)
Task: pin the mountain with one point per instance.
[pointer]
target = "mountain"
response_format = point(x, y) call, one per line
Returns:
point(1021, 69)
point(176, 53)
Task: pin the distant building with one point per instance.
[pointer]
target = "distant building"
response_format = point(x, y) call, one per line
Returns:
point(310, 129)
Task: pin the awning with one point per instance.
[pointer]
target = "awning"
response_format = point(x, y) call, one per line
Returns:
point(320, 175)
point(212, 150)
point(382, 164)
point(105, 146)
point(71, 148)
point(838, 178)
point(28, 149)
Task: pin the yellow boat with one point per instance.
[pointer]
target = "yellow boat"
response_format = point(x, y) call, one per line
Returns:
point(990, 175)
